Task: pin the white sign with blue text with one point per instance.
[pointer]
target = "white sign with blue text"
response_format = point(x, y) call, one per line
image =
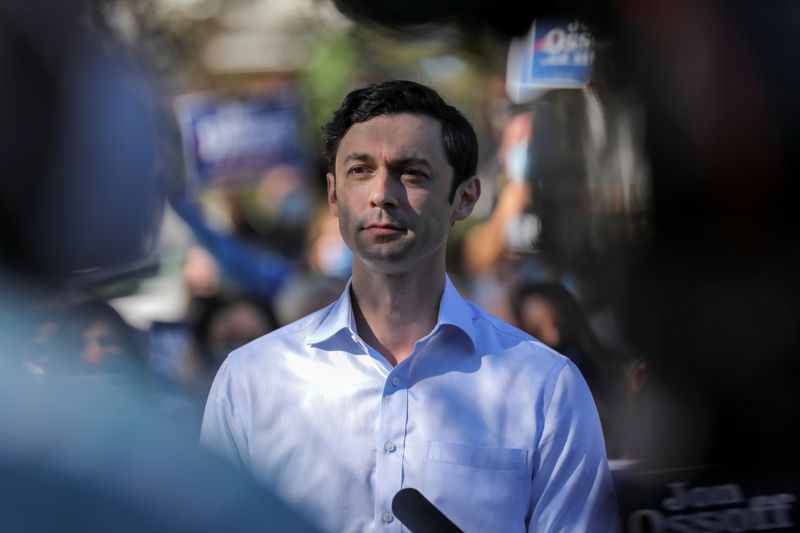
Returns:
point(556, 54)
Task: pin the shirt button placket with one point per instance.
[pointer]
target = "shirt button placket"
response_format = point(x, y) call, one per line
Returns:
point(390, 458)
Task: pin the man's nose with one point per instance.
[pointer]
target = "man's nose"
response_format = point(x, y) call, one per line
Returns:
point(384, 193)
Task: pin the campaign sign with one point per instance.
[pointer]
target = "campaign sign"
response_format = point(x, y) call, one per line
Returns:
point(708, 498)
point(229, 141)
point(556, 54)
point(168, 346)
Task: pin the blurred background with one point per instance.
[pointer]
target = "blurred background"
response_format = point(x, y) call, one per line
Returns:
point(163, 203)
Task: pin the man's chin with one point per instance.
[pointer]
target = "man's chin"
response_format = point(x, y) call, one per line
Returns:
point(384, 250)
point(385, 260)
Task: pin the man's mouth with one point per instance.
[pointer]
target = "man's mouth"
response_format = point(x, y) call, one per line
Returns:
point(384, 229)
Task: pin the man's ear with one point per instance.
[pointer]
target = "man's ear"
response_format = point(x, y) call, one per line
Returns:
point(332, 203)
point(465, 198)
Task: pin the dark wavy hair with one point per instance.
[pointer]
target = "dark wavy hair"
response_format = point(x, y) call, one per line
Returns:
point(401, 96)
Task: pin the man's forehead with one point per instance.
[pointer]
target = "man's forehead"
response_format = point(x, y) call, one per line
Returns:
point(403, 136)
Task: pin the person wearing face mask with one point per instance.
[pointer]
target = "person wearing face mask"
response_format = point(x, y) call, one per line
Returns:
point(508, 227)
point(327, 254)
point(490, 246)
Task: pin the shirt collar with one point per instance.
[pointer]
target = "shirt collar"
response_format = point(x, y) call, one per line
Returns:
point(453, 311)
point(339, 317)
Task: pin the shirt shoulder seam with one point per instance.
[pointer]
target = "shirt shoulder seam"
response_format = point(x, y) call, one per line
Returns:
point(506, 331)
point(549, 389)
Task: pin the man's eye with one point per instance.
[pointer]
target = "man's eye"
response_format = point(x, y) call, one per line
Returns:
point(358, 170)
point(414, 172)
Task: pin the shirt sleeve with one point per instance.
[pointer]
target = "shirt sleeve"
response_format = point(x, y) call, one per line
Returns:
point(572, 488)
point(222, 430)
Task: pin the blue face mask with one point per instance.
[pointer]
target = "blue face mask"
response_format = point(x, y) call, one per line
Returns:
point(517, 162)
point(337, 261)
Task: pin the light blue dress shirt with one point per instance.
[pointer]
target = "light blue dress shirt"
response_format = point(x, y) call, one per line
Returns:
point(497, 430)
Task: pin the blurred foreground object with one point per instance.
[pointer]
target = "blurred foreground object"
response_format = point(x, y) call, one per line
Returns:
point(82, 187)
point(81, 193)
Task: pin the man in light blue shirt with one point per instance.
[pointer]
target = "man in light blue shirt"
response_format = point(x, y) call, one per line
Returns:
point(402, 383)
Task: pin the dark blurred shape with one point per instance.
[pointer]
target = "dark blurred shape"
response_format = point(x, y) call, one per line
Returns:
point(507, 17)
point(713, 300)
point(97, 335)
point(223, 323)
point(550, 312)
point(419, 515)
point(80, 185)
point(81, 192)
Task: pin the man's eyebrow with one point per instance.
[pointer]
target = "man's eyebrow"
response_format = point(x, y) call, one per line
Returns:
point(418, 161)
point(401, 161)
point(356, 157)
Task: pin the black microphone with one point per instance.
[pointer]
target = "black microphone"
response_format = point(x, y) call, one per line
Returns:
point(419, 515)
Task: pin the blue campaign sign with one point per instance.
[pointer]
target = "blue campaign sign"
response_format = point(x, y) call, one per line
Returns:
point(556, 54)
point(233, 140)
point(562, 54)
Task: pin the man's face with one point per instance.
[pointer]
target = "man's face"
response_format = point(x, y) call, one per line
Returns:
point(390, 192)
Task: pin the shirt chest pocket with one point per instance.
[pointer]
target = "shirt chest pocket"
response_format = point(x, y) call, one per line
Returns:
point(479, 488)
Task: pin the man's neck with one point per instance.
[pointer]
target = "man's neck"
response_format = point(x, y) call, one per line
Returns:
point(394, 311)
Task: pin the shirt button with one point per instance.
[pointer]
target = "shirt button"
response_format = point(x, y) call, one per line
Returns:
point(395, 381)
point(390, 447)
point(387, 517)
